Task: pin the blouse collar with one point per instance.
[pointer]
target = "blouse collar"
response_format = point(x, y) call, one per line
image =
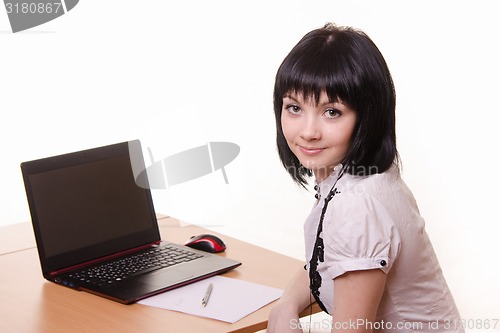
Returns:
point(323, 187)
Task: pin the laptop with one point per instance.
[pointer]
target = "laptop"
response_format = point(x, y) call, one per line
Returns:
point(96, 229)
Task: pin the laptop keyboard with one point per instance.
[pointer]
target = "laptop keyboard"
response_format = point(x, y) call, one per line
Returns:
point(130, 266)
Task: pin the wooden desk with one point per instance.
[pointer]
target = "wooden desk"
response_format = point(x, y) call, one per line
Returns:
point(29, 303)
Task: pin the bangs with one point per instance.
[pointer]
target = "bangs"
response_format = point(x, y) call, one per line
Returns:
point(317, 68)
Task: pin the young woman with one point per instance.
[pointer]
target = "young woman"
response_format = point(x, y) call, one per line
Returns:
point(370, 263)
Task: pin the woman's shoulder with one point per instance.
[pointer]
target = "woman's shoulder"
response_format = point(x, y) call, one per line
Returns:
point(372, 185)
point(384, 191)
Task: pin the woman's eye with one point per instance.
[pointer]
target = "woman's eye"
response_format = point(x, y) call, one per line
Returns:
point(332, 113)
point(293, 108)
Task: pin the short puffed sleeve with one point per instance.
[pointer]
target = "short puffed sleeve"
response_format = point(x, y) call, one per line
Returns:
point(359, 234)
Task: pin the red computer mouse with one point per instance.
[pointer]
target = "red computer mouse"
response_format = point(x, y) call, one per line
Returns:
point(207, 243)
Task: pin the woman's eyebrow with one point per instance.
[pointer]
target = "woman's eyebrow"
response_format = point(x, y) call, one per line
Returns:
point(290, 97)
point(328, 103)
point(337, 101)
point(320, 104)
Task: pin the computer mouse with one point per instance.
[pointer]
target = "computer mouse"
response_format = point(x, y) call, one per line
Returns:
point(207, 243)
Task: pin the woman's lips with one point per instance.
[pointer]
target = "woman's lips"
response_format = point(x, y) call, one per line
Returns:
point(310, 151)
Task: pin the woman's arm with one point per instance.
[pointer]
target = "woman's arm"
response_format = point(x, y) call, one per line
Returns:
point(284, 316)
point(356, 299)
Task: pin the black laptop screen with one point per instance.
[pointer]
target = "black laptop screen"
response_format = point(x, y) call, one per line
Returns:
point(88, 204)
point(90, 208)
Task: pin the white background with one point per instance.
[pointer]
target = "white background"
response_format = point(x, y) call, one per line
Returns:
point(180, 74)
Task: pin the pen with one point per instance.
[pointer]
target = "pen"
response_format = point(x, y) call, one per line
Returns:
point(204, 301)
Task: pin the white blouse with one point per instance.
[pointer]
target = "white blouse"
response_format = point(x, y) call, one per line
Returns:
point(373, 222)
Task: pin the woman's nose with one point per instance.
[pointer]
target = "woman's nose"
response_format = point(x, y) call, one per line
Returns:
point(310, 130)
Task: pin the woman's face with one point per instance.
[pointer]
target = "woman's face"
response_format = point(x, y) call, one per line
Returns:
point(318, 134)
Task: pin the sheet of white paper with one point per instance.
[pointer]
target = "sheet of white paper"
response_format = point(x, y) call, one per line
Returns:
point(231, 299)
